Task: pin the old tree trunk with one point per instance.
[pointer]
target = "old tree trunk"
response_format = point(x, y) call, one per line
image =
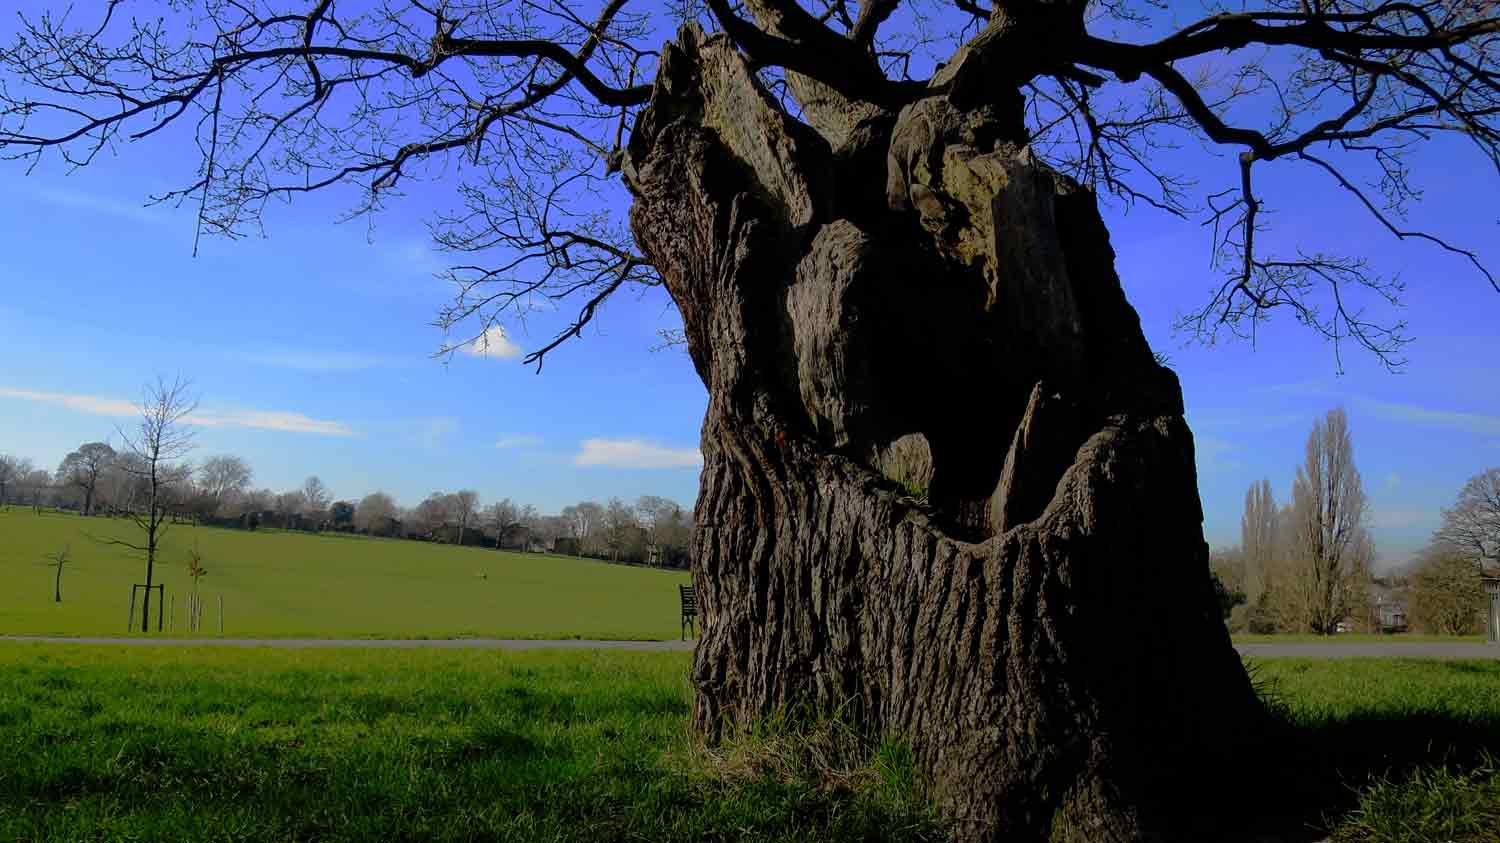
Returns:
point(946, 485)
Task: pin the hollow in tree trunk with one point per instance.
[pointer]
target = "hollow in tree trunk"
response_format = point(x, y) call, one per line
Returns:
point(946, 485)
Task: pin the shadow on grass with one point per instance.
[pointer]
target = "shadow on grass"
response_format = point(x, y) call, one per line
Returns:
point(1300, 774)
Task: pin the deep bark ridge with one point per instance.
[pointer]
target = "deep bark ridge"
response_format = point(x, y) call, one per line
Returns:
point(947, 489)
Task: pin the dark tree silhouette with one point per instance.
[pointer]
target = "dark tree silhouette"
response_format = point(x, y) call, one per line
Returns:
point(947, 487)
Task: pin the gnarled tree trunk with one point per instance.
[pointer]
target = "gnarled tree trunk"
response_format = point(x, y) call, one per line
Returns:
point(946, 485)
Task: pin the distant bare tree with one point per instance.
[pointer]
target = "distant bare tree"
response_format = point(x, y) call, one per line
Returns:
point(1447, 598)
point(84, 467)
point(35, 485)
point(465, 502)
point(287, 505)
point(619, 518)
point(315, 497)
point(12, 469)
point(160, 441)
point(1332, 550)
point(222, 478)
point(504, 517)
point(434, 513)
point(1472, 525)
point(375, 513)
point(1258, 540)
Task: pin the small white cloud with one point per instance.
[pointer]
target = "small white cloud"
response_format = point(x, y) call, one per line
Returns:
point(493, 343)
point(635, 453)
point(518, 441)
point(254, 419)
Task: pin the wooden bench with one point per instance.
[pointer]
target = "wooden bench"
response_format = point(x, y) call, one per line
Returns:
point(689, 610)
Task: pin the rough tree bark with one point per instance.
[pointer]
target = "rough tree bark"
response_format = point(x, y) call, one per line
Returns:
point(1041, 627)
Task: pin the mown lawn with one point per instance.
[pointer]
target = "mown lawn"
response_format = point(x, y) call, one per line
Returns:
point(109, 743)
point(117, 743)
point(281, 584)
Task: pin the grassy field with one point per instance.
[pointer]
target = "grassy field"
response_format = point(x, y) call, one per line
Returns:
point(108, 743)
point(115, 743)
point(280, 584)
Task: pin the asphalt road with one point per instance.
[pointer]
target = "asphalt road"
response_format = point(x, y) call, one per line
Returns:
point(1435, 650)
point(1426, 650)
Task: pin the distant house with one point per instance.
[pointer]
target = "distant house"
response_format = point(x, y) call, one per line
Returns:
point(1387, 607)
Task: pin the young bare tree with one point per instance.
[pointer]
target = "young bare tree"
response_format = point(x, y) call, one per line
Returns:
point(58, 560)
point(1472, 525)
point(83, 469)
point(158, 443)
point(1329, 562)
point(873, 219)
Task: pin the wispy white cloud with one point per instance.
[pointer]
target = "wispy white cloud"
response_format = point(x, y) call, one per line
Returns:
point(96, 204)
point(82, 403)
point(270, 420)
point(518, 440)
point(253, 419)
point(493, 343)
point(1415, 414)
point(635, 453)
point(314, 360)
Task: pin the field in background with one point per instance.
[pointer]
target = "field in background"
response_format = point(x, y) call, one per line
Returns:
point(110, 742)
point(288, 584)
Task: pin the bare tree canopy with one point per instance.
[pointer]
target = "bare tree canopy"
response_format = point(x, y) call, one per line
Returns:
point(12, 469)
point(525, 108)
point(1472, 525)
point(83, 468)
point(223, 477)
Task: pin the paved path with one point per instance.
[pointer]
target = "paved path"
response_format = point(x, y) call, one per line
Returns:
point(1427, 650)
point(386, 643)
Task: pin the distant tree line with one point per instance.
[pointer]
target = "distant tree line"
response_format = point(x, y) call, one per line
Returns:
point(1306, 566)
point(97, 479)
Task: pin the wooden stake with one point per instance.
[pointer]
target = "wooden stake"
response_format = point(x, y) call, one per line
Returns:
point(221, 614)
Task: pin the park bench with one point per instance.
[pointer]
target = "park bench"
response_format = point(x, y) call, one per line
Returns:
point(689, 610)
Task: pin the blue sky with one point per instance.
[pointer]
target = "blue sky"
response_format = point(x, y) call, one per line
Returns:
point(311, 349)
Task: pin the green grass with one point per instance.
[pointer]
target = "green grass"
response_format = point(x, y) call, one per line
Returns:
point(117, 743)
point(114, 743)
point(1389, 750)
point(287, 584)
